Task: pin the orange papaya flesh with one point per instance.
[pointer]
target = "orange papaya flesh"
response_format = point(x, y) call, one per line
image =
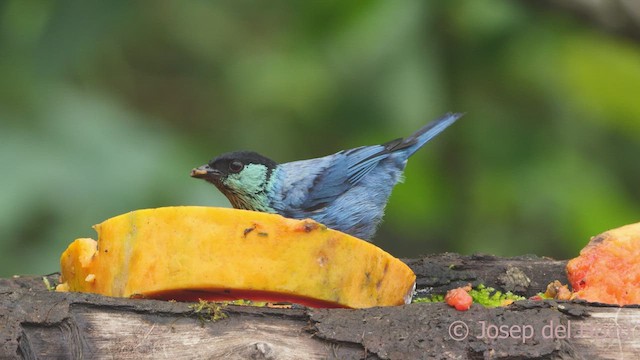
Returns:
point(190, 253)
point(608, 268)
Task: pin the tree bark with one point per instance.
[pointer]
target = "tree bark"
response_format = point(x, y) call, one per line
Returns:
point(39, 324)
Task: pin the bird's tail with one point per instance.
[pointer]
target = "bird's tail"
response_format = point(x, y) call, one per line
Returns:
point(428, 132)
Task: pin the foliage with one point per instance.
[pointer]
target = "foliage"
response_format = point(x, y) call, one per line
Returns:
point(104, 108)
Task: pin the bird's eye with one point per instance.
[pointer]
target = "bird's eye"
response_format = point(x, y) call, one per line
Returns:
point(236, 166)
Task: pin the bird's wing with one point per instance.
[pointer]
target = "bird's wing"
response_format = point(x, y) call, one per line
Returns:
point(344, 170)
point(364, 159)
point(323, 180)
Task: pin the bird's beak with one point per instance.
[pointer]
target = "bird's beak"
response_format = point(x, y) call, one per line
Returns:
point(205, 172)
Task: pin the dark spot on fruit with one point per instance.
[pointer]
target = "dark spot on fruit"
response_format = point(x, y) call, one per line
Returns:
point(322, 259)
point(248, 230)
point(598, 239)
point(263, 234)
point(308, 226)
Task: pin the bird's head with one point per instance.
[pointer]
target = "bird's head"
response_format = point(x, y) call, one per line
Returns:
point(243, 177)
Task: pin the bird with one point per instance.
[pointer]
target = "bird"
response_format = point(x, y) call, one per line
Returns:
point(346, 191)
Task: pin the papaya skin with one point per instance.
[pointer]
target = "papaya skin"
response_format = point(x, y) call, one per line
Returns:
point(607, 269)
point(190, 253)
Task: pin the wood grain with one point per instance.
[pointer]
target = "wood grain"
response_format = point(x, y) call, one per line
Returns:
point(39, 324)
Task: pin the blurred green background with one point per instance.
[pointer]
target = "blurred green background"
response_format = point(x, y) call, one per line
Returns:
point(106, 107)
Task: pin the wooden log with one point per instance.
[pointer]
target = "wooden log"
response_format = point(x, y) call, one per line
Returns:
point(39, 324)
point(526, 275)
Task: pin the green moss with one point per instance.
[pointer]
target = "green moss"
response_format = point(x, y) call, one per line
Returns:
point(208, 311)
point(481, 294)
point(490, 297)
point(213, 310)
point(48, 285)
point(544, 296)
point(430, 299)
point(245, 303)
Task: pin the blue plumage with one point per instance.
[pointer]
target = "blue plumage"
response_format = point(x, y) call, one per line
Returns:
point(346, 191)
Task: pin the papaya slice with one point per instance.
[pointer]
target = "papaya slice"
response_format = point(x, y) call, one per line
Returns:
point(608, 268)
point(189, 253)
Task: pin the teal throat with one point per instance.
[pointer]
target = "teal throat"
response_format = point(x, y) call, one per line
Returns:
point(250, 188)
